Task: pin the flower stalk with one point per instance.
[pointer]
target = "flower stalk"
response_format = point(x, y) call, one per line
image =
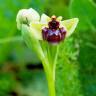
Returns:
point(47, 54)
point(50, 71)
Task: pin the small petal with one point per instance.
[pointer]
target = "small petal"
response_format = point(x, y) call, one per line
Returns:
point(45, 18)
point(25, 16)
point(59, 18)
point(70, 25)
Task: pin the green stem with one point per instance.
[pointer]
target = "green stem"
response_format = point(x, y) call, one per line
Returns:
point(51, 84)
point(49, 77)
point(50, 67)
point(11, 39)
point(55, 60)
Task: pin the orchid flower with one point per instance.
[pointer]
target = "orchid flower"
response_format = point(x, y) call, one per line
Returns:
point(44, 35)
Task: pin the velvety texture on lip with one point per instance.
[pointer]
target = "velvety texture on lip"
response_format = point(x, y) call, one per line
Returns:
point(53, 34)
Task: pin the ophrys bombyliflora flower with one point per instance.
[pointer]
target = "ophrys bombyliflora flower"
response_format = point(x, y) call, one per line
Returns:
point(36, 30)
point(53, 29)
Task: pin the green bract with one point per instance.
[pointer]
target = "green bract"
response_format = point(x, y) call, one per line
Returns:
point(29, 22)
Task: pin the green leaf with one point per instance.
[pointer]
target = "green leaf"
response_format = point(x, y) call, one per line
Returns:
point(85, 11)
point(67, 81)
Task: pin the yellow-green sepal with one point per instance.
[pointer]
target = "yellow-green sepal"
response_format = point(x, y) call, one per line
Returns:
point(70, 25)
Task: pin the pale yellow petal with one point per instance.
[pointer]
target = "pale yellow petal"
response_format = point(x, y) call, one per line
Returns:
point(36, 29)
point(59, 18)
point(45, 19)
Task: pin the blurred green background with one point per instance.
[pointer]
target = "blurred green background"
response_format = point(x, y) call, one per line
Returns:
point(21, 72)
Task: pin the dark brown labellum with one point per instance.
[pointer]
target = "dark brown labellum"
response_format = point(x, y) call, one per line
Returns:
point(53, 34)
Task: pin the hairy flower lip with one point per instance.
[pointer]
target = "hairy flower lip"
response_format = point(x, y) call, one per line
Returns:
point(53, 33)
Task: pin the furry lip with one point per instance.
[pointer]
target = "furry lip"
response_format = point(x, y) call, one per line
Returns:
point(53, 33)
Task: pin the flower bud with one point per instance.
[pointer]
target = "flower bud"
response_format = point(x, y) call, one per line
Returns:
point(25, 16)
